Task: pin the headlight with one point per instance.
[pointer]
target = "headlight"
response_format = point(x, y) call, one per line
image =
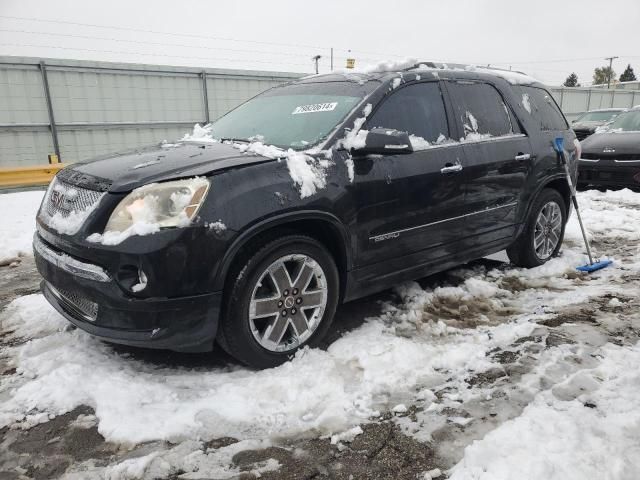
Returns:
point(167, 204)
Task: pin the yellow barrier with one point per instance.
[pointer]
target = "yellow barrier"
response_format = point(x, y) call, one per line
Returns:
point(28, 176)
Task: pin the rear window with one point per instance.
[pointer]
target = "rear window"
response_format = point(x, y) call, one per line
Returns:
point(543, 108)
point(480, 109)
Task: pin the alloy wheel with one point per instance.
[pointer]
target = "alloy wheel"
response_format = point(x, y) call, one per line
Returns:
point(288, 302)
point(547, 231)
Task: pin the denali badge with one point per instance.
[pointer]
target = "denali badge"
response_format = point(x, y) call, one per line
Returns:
point(608, 150)
point(386, 236)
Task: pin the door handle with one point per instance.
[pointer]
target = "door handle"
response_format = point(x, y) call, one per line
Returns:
point(451, 168)
point(523, 156)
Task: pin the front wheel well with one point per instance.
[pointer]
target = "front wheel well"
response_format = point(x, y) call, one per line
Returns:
point(321, 230)
point(562, 187)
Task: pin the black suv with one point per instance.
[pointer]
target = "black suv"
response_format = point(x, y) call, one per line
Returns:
point(251, 231)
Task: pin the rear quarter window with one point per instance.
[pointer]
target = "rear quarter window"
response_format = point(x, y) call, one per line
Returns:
point(543, 108)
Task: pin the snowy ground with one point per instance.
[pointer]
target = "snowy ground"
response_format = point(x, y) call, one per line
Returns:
point(484, 372)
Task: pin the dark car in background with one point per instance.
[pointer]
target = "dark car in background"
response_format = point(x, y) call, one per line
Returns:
point(317, 192)
point(587, 123)
point(612, 158)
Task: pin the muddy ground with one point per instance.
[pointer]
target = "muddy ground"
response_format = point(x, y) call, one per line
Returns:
point(382, 451)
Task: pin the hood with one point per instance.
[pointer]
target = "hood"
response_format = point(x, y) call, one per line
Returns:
point(586, 125)
point(621, 142)
point(123, 172)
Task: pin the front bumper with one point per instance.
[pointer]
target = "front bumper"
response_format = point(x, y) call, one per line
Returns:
point(86, 295)
point(606, 172)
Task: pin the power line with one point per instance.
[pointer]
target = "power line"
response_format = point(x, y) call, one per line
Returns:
point(153, 54)
point(145, 42)
point(157, 32)
point(189, 35)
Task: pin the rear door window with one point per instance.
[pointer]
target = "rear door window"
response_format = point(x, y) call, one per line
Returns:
point(417, 109)
point(543, 108)
point(480, 109)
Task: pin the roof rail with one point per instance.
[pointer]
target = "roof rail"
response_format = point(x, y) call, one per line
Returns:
point(460, 66)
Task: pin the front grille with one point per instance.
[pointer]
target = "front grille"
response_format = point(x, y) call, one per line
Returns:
point(65, 198)
point(76, 305)
point(613, 176)
point(590, 156)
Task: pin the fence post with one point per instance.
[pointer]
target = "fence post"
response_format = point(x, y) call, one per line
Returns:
point(52, 121)
point(205, 96)
point(588, 101)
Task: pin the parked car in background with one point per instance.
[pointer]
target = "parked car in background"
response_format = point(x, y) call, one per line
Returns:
point(317, 192)
point(587, 123)
point(612, 158)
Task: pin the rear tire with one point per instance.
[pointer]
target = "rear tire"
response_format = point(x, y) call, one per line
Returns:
point(283, 297)
point(543, 232)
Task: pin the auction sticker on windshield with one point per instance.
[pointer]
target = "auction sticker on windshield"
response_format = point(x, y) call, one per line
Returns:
point(315, 107)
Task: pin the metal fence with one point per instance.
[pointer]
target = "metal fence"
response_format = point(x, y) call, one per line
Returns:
point(574, 101)
point(80, 109)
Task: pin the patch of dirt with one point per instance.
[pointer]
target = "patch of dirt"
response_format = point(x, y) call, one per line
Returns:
point(23, 279)
point(487, 378)
point(466, 313)
point(381, 452)
point(580, 316)
point(46, 450)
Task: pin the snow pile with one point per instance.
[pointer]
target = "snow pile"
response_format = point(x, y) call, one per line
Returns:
point(18, 224)
point(307, 172)
point(347, 436)
point(471, 134)
point(200, 134)
point(217, 227)
point(386, 66)
point(139, 228)
point(191, 457)
point(585, 427)
point(368, 370)
point(525, 102)
point(356, 137)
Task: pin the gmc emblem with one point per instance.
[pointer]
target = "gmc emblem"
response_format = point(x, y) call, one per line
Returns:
point(57, 198)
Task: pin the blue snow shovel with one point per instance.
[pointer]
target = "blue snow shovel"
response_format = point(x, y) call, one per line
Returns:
point(592, 266)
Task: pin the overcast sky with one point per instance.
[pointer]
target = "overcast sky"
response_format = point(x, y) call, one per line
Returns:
point(547, 39)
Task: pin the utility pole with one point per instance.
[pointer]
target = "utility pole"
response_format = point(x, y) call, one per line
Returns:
point(611, 59)
point(315, 59)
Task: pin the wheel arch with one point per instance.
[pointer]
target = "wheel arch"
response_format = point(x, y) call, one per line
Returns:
point(557, 182)
point(322, 226)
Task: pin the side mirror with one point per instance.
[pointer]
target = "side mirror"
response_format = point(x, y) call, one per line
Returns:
point(386, 141)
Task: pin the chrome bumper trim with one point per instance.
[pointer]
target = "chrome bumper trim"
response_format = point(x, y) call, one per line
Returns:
point(69, 264)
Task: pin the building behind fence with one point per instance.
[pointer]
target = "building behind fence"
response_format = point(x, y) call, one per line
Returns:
point(81, 109)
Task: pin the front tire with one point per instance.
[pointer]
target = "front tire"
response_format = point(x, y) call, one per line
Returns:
point(284, 296)
point(543, 233)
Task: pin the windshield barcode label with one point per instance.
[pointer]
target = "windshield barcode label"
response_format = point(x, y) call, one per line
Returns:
point(316, 107)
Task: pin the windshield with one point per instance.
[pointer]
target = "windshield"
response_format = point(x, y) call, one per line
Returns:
point(626, 122)
point(598, 116)
point(294, 116)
